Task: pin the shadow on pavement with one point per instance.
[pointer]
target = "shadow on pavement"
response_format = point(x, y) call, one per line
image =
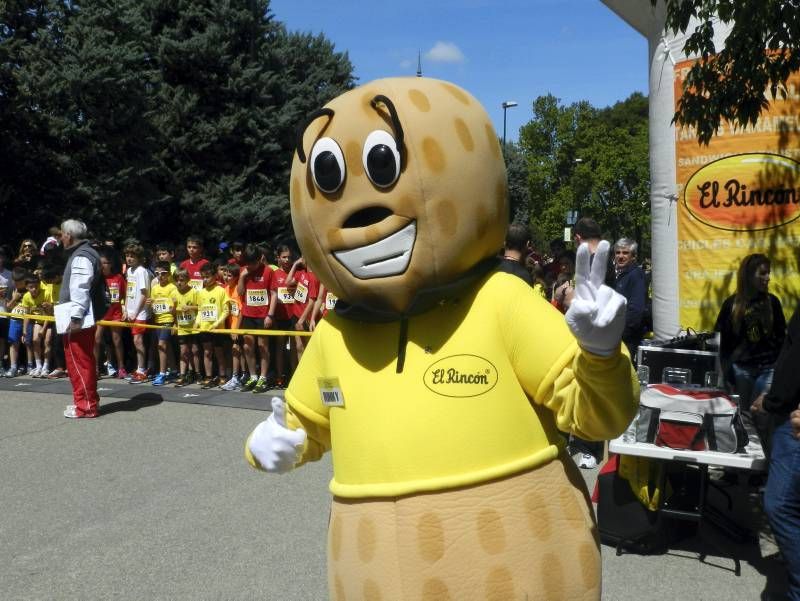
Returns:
point(147, 399)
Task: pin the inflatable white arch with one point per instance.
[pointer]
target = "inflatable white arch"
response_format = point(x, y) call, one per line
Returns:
point(712, 205)
point(665, 51)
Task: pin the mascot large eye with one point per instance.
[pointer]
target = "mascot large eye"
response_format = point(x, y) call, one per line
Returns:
point(327, 165)
point(381, 159)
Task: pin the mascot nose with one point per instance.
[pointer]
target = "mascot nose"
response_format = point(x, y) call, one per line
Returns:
point(366, 217)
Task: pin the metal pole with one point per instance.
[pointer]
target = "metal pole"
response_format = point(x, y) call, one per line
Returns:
point(505, 108)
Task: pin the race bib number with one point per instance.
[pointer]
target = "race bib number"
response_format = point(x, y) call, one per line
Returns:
point(130, 291)
point(113, 293)
point(18, 310)
point(185, 318)
point(196, 284)
point(234, 309)
point(208, 313)
point(161, 306)
point(301, 294)
point(257, 298)
point(285, 296)
point(330, 301)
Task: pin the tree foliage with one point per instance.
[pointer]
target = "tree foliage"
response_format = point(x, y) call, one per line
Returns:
point(594, 161)
point(729, 83)
point(155, 118)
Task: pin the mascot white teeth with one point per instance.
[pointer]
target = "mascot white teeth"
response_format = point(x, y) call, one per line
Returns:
point(440, 384)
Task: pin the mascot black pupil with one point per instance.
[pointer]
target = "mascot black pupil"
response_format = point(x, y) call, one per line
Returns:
point(381, 165)
point(327, 171)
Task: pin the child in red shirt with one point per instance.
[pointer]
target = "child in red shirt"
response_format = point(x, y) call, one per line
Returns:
point(111, 267)
point(305, 297)
point(195, 262)
point(282, 291)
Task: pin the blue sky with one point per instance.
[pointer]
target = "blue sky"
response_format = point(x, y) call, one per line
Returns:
point(497, 50)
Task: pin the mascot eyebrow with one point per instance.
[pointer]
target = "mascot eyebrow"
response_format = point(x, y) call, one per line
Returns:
point(380, 98)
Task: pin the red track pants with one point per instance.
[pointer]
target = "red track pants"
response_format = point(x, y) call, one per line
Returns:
point(79, 354)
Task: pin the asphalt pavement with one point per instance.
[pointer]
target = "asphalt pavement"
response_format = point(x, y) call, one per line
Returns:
point(154, 500)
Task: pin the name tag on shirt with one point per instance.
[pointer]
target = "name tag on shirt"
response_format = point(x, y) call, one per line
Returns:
point(130, 291)
point(185, 318)
point(330, 392)
point(285, 296)
point(113, 293)
point(196, 284)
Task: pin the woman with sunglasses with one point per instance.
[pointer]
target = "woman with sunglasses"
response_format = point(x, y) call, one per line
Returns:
point(26, 255)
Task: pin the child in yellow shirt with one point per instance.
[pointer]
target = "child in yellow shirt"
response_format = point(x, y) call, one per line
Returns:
point(163, 300)
point(185, 316)
point(38, 300)
point(212, 311)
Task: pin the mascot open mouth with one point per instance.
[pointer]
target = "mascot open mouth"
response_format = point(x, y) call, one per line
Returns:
point(386, 257)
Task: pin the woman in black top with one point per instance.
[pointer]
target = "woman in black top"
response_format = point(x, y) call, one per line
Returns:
point(752, 328)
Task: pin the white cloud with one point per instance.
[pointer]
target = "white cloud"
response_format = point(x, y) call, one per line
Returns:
point(445, 52)
point(406, 64)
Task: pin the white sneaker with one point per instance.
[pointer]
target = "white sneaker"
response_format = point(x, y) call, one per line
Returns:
point(587, 461)
point(232, 384)
point(111, 370)
point(35, 372)
point(11, 373)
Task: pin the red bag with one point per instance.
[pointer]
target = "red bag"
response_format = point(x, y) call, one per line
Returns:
point(680, 430)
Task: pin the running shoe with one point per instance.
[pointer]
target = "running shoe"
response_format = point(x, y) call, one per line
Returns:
point(209, 383)
point(261, 386)
point(160, 380)
point(111, 370)
point(250, 384)
point(11, 373)
point(232, 384)
point(122, 373)
point(138, 377)
point(35, 372)
point(56, 373)
point(587, 461)
point(183, 380)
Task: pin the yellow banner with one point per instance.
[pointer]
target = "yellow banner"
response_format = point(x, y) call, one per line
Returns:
point(737, 196)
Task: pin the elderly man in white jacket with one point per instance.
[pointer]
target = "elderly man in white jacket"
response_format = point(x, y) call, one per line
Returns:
point(82, 300)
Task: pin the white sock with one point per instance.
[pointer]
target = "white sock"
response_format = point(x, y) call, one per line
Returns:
point(45, 367)
point(38, 364)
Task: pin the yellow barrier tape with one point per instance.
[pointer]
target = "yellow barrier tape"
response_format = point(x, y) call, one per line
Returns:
point(129, 324)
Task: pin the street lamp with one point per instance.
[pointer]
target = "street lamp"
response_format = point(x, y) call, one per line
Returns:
point(506, 105)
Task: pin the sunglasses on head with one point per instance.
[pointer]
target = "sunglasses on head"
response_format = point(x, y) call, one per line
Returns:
point(159, 273)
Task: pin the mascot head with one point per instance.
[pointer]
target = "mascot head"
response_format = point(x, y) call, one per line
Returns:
point(397, 186)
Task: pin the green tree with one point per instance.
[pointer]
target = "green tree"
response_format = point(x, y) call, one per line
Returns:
point(591, 160)
point(518, 192)
point(729, 83)
point(155, 118)
point(230, 98)
point(31, 179)
point(93, 98)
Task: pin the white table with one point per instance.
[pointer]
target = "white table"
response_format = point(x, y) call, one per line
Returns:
point(751, 458)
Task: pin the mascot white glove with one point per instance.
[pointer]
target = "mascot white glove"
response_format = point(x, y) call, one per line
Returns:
point(276, 448)
point(597, 313)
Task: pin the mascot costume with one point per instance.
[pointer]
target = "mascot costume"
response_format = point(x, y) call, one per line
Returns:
point(439, 384)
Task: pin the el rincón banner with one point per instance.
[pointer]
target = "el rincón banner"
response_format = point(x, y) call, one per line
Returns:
point(737, 196)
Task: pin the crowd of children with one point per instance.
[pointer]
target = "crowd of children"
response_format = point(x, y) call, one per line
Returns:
point(170, 313)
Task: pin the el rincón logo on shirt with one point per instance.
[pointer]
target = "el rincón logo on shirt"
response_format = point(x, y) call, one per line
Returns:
point(461, 376)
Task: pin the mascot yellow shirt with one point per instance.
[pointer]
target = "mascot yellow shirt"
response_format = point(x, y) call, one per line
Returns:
point(479, 396)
